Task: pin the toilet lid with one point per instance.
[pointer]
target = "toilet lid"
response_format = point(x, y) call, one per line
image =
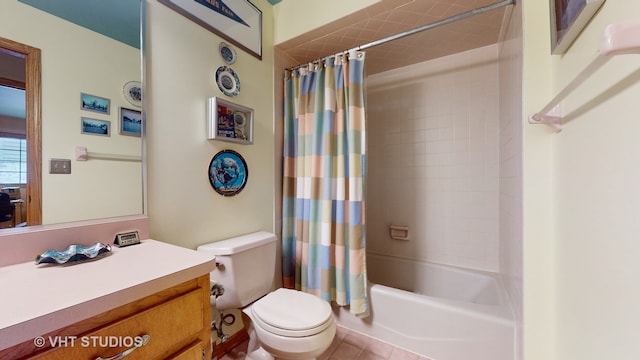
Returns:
point(292, 313)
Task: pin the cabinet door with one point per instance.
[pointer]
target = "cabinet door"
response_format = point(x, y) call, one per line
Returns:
point(193, 352)
point(171, 326)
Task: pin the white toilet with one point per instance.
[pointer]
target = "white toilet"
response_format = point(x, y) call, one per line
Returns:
point(285, 324)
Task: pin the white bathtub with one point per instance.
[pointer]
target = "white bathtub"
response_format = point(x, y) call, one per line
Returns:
point(441, 312)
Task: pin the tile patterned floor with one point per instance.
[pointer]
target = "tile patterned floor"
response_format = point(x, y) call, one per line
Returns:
point(347, 345)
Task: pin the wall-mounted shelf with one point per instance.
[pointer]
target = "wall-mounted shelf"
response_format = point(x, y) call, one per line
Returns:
point(617, 39)
point(229, 121)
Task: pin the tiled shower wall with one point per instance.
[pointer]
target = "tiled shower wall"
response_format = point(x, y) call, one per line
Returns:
point(433, 160)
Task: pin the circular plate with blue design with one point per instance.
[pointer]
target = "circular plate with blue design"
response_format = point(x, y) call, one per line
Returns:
point(227, 81)
point(227, 53)
point(228, 173)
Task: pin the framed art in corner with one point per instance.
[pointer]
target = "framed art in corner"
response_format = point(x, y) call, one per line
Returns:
point(130, 122)
point(237, 21)
point(229, 122)
point(568, 18)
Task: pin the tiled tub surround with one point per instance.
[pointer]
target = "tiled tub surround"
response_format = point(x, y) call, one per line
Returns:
point(437, 311)
point(433, 166)
point(433, 160)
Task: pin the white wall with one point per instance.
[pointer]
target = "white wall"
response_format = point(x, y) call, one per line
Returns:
point(182, 60)
point(76, 60)
point(433, 160)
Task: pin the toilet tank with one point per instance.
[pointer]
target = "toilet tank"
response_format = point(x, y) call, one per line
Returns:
point(245, 266)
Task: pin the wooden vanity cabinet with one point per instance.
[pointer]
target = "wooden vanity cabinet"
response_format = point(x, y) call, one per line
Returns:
point(177, 321)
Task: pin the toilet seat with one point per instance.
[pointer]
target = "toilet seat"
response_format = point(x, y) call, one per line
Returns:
point(292, 313)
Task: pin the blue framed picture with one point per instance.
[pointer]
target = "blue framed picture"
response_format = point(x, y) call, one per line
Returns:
point(94, 103)
point(130, 122)
point(228, 173)
point(95, 126)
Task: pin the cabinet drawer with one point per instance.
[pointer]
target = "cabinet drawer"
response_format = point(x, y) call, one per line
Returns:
point(193, 352)
point(171, 325)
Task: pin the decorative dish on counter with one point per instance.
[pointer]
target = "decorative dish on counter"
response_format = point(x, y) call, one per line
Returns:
point(73, 253)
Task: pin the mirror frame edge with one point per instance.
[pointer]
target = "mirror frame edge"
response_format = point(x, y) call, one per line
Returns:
point(34, 137)
point(33, 93)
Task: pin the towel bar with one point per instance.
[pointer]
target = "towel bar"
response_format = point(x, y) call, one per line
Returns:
point(617, 39)
point(83, 155)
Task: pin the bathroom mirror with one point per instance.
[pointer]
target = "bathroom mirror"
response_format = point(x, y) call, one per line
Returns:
point(89, 47)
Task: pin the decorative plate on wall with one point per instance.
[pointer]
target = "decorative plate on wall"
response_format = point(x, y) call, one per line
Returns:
point(133, 93)
point(227, 81)
point(227, 53)
point(228, 173)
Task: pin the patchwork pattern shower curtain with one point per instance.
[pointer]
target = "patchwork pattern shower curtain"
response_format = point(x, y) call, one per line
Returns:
point(323, 231)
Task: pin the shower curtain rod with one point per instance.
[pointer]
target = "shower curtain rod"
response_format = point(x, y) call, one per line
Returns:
point(422, 28)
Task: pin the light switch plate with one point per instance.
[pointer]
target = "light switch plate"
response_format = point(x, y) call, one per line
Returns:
point(59, 166)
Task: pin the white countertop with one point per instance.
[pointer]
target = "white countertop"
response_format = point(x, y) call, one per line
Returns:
point(38, 299)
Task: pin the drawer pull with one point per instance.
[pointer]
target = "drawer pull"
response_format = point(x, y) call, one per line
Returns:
point(145, 340)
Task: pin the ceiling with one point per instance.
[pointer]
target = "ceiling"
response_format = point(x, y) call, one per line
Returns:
point(117, 19)
point(390, 17)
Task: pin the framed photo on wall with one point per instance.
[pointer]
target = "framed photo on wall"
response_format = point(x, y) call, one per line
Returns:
point(130, 122)
point(94, 103)
point(95, 127)
point(568, 18)
point(237, 21)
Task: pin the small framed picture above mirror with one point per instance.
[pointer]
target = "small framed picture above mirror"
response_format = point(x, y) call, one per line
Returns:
point(568, 18)
point(228, 121)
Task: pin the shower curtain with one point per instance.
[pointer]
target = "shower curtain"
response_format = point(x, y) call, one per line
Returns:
point(323, 232)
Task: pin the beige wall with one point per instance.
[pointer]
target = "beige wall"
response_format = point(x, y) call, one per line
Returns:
point(538, 234)
point(76, 60)
point(182, 60)
point(581, 197)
